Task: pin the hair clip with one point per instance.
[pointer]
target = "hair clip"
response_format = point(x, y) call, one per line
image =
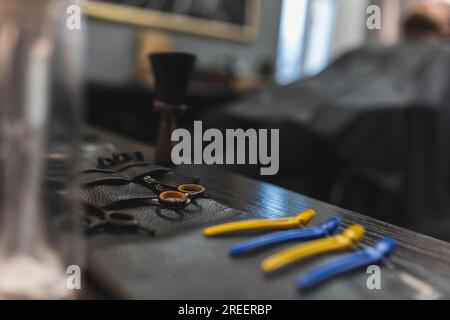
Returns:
point(343, 241)
point(362, 258)
point(324, 230)
point(301, 219)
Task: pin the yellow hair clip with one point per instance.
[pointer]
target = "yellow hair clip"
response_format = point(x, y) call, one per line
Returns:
point(341, 242)
point(301, 219)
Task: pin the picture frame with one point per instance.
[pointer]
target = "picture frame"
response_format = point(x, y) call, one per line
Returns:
point(246, 30)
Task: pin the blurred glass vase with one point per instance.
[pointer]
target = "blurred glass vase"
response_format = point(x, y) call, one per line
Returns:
point(40, 99)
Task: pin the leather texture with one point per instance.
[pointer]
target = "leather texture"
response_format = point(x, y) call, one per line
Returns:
point(120, 187)
point(123, 184)
point(103, 196)
point(163, 220)
point(128, 174)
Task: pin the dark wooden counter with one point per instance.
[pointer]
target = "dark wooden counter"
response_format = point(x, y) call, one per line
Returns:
point(421, 263)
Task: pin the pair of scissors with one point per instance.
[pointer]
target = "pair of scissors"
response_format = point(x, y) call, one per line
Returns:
point(174, 196)
point(96, 220)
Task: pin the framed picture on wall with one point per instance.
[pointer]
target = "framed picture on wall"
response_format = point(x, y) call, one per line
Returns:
point(227, 19)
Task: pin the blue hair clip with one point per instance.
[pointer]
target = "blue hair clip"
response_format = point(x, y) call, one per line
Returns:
point(326, 229)
point(348, 262)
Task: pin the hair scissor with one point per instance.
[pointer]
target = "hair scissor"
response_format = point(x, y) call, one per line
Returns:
point(174, 196)
point(97, 219)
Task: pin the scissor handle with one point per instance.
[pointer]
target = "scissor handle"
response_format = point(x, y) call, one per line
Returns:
point(91, 222)
point(167, 195)
point(121, 219)
point(173, 198)
point(193, 190)
point(96, 218)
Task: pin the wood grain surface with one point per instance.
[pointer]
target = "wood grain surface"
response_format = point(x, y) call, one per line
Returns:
point(422, 263)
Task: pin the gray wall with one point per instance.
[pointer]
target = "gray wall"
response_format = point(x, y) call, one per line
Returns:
point(111, 47)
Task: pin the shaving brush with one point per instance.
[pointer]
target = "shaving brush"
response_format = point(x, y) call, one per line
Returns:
point(172, 72)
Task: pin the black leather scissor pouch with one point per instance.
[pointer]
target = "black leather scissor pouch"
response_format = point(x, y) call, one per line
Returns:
point(132, 172)
point(110, 195)
point(120, 188)
point(123, 182)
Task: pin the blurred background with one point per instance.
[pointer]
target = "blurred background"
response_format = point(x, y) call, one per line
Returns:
point(358, 88)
